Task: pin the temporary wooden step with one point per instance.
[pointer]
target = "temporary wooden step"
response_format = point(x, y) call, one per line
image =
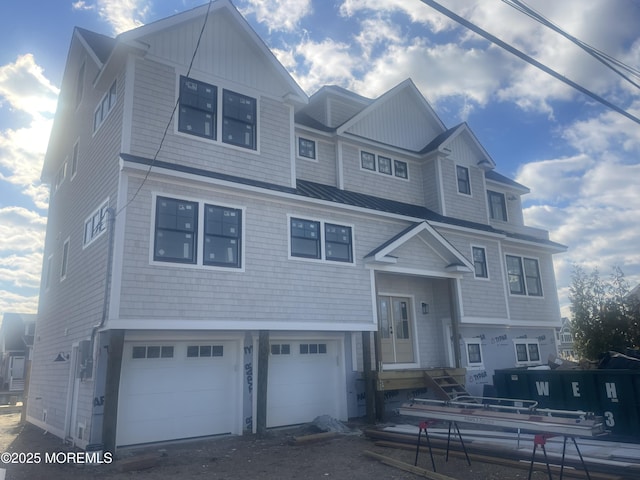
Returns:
point(445, 386)
point(413, 378)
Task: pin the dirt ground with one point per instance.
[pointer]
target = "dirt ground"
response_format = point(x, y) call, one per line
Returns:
point(275, 456)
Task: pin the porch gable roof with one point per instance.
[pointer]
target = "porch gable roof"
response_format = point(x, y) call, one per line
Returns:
point(455, 261)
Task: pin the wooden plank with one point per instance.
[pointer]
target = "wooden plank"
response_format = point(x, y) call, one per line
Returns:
point(407, 467)
point(495, 460)
point(314, 438)
point(263, 378)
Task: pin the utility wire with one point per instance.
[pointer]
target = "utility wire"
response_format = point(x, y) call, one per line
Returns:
point(528, 59)
point(607, 60)
point(173, 113)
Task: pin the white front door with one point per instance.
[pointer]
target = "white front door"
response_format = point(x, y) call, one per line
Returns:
point(395, 321)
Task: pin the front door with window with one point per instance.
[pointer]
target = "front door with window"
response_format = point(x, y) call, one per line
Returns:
point(396, 330)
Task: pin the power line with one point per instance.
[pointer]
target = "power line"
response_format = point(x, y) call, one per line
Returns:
point(607, 60)
point(173, 113)
point(528, 59)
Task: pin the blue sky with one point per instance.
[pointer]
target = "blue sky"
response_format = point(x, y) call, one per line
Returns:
point(580, 159)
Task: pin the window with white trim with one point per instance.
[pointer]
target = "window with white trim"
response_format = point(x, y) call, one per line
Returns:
point(178, 233)
point(306, 148)
point(96, 224)
point(527, 351)
point(80, 84)
point(383, 165)
point(64, 267)
point(524, 276)
point(480, 262)
point(464, 182)
point(497, 206)
point(105, 106)
point(239, 119)
point(401, 169)
point(320, 240)
point(60, 176)
point(198, 108)
point(368, 161)
point(473, 350)
point(74, 159)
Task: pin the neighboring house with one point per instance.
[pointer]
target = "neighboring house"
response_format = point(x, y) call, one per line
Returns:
point(16, 340)
point(258, 209)
point(564, 339)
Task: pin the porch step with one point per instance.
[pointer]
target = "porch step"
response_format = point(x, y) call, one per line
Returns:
point(446, 387)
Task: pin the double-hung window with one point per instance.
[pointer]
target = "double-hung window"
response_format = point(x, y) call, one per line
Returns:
point(238, 119)
point(337, 241)
point(222, 236)
point(104, 108)
point(182, 234)
point(198, 106)
point(321, 240)
point(176, 230)
point(473, 347)
point(480, 262)
point(497, 206)
point(464, 184)
point(524, 276)
point(96, 224)
point(305, 238)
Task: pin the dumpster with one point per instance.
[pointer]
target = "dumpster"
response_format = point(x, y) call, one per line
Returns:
point(612, 394)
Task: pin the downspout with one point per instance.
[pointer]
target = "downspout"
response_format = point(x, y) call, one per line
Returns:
point(111, 219)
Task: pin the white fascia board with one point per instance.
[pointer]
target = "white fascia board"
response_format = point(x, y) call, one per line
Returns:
point(225, 325)
point(504, 322)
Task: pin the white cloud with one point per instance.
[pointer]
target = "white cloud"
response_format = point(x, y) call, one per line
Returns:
point(324, 63)
point(26, 90)
point(122, 15)
point(24, 86)
point(10, 301)
point(281, 15)
point(416, 11)
point(21, 230)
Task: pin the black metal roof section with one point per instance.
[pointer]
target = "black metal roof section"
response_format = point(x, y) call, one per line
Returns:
point(436, 142)
point(496, 177)
point(101, 45)
point(328, 193)
point(304, 119)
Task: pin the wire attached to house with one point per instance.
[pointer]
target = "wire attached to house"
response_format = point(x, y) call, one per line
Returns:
point(173, 114)
point(493, 39)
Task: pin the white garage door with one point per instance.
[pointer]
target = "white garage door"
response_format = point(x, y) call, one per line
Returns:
point(177, 390)
point(305, 380)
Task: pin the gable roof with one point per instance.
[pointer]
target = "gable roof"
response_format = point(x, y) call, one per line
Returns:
point(100, 45)
point(295, 94)
point(442, 141)
point(456, 262)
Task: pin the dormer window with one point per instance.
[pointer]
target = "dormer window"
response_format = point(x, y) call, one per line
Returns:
point(306, 148)
point(497, 206)
point(464, 184)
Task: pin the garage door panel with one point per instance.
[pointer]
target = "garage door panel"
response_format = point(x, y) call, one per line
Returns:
point(178, 397)
point(302, 386)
